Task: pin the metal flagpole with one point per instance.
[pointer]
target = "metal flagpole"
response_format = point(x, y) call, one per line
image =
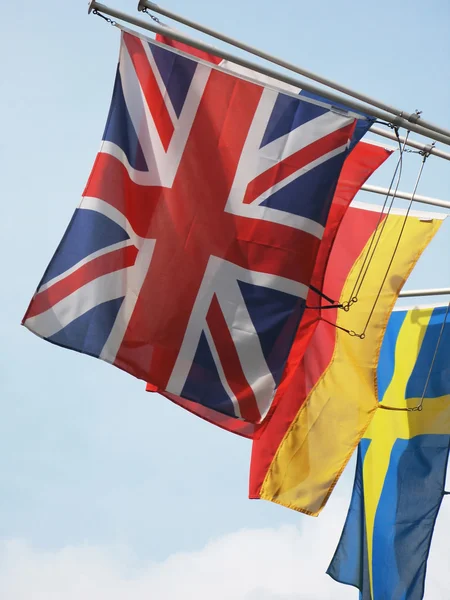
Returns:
point(400, 121)
point(412, 118)
point(409, 142)
point(351, 104)
point(405, 195)
point(430, 292)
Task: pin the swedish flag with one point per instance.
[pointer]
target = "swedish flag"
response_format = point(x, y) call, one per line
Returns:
point(402, 462)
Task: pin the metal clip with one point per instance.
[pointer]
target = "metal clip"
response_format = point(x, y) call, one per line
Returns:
point(427, 150)
point(415, 117)
point(147, 12)
point(107, 19)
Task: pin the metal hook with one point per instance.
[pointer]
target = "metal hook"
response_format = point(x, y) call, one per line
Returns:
point(107, 19)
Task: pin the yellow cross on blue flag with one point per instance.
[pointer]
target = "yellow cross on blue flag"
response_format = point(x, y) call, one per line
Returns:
point(402, 462)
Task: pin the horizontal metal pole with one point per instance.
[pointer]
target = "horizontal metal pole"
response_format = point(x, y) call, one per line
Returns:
point(330, 96)
point(406, 196)
point(431, 292)
point(413, 118)
point(411, 143)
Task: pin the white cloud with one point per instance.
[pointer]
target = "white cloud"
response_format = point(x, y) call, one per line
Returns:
point(265, 564)
point(287, 563)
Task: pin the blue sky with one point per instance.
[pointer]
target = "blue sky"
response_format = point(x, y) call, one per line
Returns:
point(100, 481)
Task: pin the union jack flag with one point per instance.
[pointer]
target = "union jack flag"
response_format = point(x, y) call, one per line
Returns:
point(188, 261)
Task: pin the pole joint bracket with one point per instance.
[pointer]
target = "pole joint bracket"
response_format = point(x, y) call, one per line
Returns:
point(414, 118)
point(427, 150)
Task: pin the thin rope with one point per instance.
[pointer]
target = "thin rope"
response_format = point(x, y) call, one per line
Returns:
point(320, 293)
point(333, 303)
point(349, 331)
point(380, 405)
point(320, 307)
point(378, 232)
point(353, 298)
point(363, 334)
point(419, 407)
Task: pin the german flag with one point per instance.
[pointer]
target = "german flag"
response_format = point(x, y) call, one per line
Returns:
point(328, 394)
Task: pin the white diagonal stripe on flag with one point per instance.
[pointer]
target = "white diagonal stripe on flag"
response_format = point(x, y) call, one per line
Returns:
point(84, 261)
point(102, 289)
point(281, 184)
point(222, 377)
point(162, 165)
point(246, 341)
point(105, 208)
point(218, 275)
point(136, 277)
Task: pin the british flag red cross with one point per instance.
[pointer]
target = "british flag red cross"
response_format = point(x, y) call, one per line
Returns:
point(188, 261)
